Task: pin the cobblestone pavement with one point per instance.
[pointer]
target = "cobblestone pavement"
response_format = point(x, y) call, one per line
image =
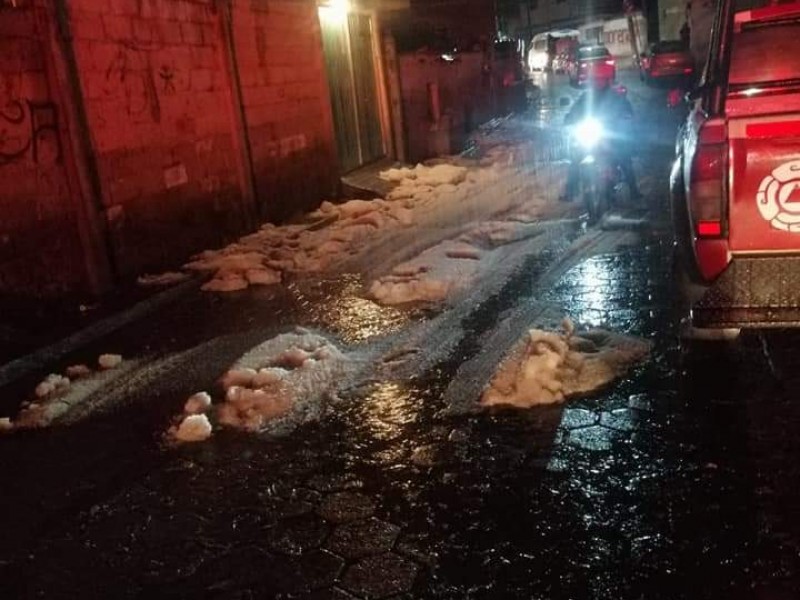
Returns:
point(678, 482)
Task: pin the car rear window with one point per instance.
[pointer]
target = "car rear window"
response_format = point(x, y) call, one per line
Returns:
point(593, 52)
point(666, 47)
point(767, 53)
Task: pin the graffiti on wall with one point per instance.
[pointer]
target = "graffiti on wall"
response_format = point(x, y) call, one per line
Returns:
point(139, 74)
point(130, 72)
point(167, 76)
point(29, 128)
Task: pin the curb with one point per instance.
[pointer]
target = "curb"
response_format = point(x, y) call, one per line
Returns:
point(34, 361)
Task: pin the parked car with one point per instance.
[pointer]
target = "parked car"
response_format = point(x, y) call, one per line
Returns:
point(666, 60)
point(591, 61)
point(735, 183)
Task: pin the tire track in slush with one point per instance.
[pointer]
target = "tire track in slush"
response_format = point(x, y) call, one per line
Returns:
point(473, 338)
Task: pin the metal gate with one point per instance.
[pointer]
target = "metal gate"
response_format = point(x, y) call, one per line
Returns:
point(348, 45)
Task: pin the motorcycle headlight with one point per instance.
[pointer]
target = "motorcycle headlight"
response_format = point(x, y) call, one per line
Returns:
point(588, 133)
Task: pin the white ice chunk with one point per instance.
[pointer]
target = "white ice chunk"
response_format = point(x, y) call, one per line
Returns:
point(237, 262)
point(356, 208)
point(69, 400)
point(393, 293)
point(353, 233)
point(403, 215)
point(331, 247)
point(549, 367)
point(44, 388)
point(308, 263)
point(297, 372)
point(238, 377)
point(373, 219)
point(78, 371)
point(402, 192)
point(197, 403)
point(51, 384)
point(252, 409)
point(328, 207)
point(194, 428)
point(293, 358)
point(440, 174)
point(262, 276)
point(109, 361)
point(225, 282)
point(268, 376)
point(398, 175)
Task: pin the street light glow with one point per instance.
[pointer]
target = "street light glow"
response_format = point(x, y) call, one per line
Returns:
point(335, 10)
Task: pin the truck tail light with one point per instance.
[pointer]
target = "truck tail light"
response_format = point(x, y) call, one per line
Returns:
point(709, 228)
point(707, 197)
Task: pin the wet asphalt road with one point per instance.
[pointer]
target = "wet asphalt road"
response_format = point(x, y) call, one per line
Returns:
point(678, 482)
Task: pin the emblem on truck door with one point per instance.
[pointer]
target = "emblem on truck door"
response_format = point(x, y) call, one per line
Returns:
point(778, 197)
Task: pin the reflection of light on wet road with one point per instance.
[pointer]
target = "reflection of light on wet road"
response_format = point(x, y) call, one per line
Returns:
point(556, 96)
point(595, 288)
point(388, 409)
point(583, 429)
point(355, 318)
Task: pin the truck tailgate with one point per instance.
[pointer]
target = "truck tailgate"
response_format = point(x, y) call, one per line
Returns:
point(764, 184)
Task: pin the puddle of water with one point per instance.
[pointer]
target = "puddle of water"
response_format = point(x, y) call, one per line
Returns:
point(387, 410)
point(344, 310)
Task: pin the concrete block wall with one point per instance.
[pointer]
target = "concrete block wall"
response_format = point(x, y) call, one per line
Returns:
point(153, 80)
point(286, 104)
point(40, 246)
point(465, 100)
point(158, 82)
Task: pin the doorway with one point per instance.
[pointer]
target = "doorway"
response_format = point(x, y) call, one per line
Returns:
point(348, 46)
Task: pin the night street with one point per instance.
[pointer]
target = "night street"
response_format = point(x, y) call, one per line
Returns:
point(678, 480)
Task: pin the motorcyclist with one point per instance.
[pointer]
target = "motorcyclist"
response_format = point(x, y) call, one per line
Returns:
point(611, 107)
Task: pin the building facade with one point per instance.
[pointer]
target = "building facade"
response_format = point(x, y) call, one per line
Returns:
point(525, 18)
point(134, 133)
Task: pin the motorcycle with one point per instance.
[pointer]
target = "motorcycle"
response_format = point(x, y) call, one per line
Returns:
point(599, 170)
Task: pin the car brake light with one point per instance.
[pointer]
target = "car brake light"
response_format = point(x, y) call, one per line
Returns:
point(707, 193)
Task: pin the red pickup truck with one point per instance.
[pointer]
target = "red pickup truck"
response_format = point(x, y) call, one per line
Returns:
point(735, 184)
